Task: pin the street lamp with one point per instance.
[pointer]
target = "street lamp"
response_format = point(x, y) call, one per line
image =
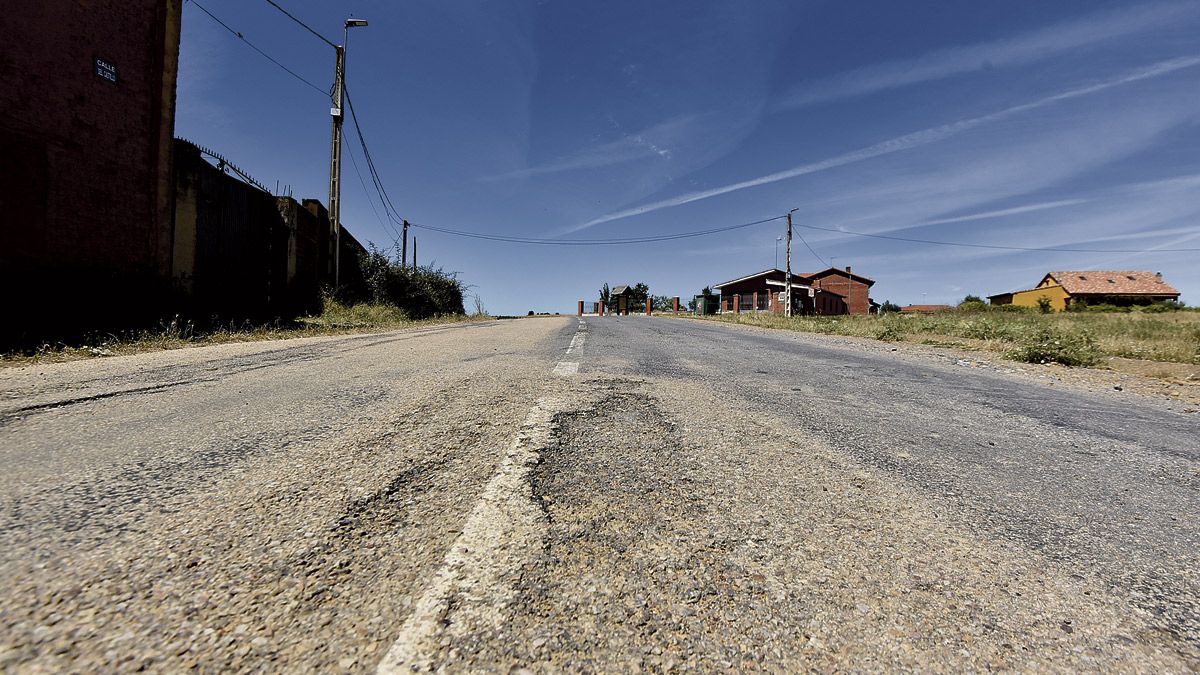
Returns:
point(335, 151)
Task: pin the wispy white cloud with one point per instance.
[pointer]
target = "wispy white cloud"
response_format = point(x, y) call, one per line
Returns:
point(898, 144)
point(1023, 49)
point(654, 143)
point(1000, 213)
point(1136, 215)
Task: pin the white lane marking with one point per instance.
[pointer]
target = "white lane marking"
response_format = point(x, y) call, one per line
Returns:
point(564, 368)
point(576, 342)
point(503, 531)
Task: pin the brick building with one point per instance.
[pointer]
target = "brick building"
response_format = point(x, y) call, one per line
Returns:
point(85, 159)
point(855, 287)
point(765, 292)
point(831, 291)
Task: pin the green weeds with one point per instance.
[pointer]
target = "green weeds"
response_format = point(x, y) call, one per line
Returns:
point(1071, 338)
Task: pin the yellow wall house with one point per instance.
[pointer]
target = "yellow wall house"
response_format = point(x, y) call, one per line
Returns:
point(1092, 287)
point(1049, 289)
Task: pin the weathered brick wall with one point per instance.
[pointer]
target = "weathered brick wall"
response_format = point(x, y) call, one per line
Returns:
point(306, 240)
point(84, 161)
point(858, 292)
point(231, 246)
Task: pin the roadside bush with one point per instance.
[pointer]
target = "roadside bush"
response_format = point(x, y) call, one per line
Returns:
point(420, 293)
point(1011, 308)
point(1164, 306)
point(972, 306)
point(1044, 344)
point(364, 314)
point(889, 333)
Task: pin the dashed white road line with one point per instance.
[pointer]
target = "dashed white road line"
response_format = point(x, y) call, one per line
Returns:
point(566, 368)
point(477, 577)
point(576, 342)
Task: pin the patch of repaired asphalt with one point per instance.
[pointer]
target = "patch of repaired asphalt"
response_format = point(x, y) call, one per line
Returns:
point(673, 542)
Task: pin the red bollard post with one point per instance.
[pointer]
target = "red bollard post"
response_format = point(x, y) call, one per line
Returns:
point(737, 303)
point(675, 304)
point(755, 307)
point(580, 308)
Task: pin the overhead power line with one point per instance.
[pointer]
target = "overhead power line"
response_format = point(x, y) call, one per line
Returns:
point(386, 200)
point(593, 242)
point(999, 247)
point(810, 249)
point(251, 45)
point(304, 25)
point(363, 182)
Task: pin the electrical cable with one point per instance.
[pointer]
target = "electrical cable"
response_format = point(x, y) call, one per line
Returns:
point(370, 202)
point(999, 247)
point(384, 198)
point(250, 44)
point(810, 250)
point(306, 26)
point(593, 242)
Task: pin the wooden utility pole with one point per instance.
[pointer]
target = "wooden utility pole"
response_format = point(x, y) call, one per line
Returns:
point(335, 163)
point(787, 284)
point(335, 146)
point(404, 247)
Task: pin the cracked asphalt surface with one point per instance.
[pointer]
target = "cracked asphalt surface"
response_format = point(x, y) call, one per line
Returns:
point(706, 497)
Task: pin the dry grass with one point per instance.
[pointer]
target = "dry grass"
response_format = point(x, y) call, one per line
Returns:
point(1082, 338)
point(336, 319)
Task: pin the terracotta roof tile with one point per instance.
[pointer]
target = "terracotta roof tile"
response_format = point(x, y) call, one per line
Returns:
point(1089, 282)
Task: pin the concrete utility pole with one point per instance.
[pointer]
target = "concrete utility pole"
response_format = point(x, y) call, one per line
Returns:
point(787, 283)
point(335, 150)
point(404, 247)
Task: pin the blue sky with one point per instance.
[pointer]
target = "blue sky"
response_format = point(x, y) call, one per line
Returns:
point(1065, 124)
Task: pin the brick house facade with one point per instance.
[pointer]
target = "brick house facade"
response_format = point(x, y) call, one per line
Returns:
point(763, 292)
point(846, 283)
point(831, 291)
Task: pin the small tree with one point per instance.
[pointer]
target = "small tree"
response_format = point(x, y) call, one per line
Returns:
point(888, 306)
point(663, 303)
point(638, 295)
point(972, 303)
point(1044, 304)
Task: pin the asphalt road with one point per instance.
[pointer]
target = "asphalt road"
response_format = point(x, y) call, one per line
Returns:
point(611, 494)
